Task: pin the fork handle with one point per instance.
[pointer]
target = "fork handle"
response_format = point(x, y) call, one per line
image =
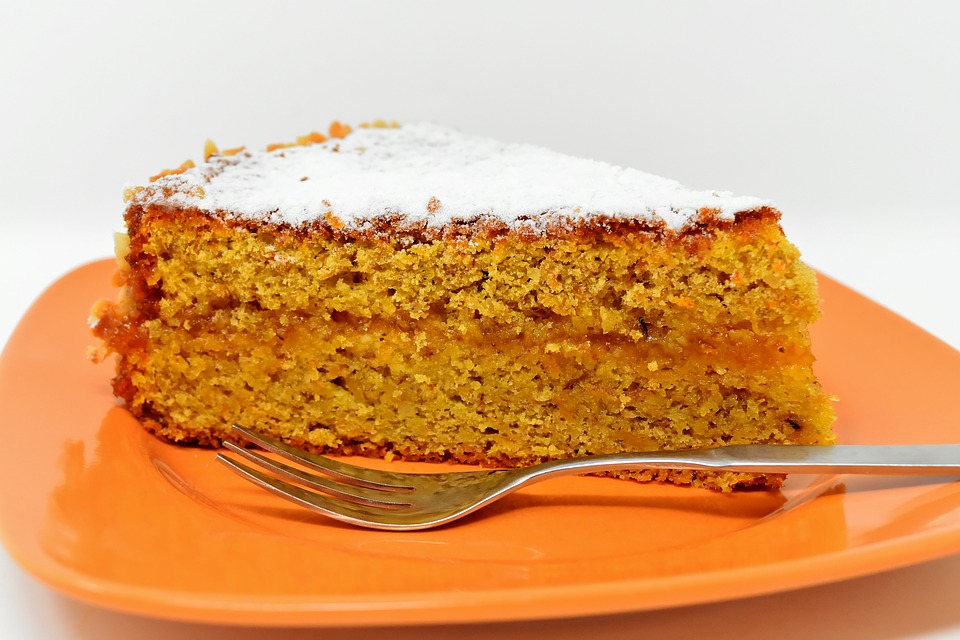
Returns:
point(924, 459)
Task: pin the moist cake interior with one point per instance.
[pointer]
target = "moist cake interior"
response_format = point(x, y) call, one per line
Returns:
point(472, 337)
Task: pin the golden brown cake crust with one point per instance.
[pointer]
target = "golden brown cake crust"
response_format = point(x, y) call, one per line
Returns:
point(393, 227)
point(708, 479)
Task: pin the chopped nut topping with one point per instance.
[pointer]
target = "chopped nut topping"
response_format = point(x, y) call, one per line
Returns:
point(169, 172)
point(380, 124)
point(209, 149)
point(338, 130)
point(311, 138)
point(129, 192)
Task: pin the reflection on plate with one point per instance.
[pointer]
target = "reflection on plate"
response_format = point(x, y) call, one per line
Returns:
point(110, 515)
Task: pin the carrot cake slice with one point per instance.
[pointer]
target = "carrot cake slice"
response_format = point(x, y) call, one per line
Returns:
point(414, 292)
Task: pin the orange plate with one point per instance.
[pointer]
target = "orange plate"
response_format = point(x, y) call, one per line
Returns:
point(96, 508)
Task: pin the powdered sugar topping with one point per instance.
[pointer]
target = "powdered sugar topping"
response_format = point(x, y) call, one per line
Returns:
point(435, 175)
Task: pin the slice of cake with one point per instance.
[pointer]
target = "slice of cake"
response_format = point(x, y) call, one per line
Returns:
point(410, 291)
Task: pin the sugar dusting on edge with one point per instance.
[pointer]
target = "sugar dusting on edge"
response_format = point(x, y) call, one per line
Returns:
point(431, 175)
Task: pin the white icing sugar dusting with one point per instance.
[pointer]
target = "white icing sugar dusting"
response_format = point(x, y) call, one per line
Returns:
point(435, 175)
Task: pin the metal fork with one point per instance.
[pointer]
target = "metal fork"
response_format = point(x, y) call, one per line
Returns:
point(409, 501)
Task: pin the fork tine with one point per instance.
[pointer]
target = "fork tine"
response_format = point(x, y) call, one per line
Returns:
point(327, 486)
point(346, 473)
point(337, 509)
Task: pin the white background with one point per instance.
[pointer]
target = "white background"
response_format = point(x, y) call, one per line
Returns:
point(843, 113)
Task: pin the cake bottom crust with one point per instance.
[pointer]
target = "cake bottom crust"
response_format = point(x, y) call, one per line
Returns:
point(714, 480)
